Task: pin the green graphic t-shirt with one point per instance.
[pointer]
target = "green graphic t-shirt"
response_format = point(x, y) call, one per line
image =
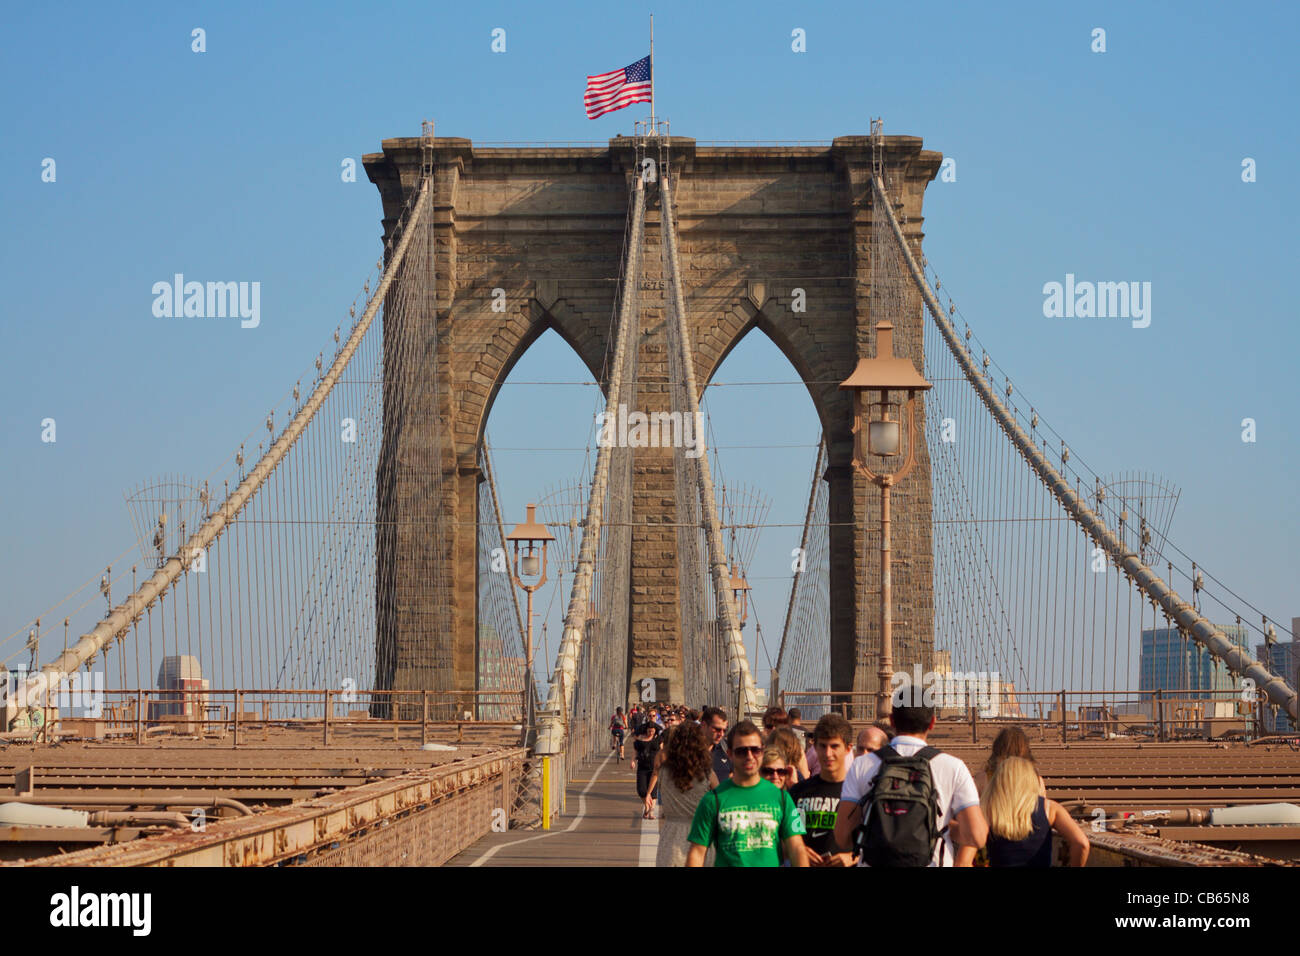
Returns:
point(746, 824)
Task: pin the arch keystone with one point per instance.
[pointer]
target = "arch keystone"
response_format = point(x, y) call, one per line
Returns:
point(546, 291)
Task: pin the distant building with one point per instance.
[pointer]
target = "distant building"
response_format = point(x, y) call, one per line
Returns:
point(1170, 662)
point(183, 677)
point(942, 662)
point(500, 677)
point(1282, 658)
point(1007, 704)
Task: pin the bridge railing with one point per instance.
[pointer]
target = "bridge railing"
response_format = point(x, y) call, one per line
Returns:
point(334, 715)
point(1163, 715)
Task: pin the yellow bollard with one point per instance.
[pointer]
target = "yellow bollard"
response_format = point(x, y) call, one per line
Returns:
point(546, 793)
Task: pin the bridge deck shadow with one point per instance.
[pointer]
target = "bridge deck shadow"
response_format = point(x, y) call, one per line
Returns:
point(601, 826)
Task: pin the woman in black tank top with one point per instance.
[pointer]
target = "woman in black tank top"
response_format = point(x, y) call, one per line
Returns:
point(1035, 849)
point(1021, 821)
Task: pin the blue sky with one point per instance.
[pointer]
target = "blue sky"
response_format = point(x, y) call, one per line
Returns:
point(1123, 165)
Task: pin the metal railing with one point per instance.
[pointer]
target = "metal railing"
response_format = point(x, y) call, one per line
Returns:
point(1161, 715)
point(335, 713)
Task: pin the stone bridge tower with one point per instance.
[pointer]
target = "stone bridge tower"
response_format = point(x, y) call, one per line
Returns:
point(756, 224)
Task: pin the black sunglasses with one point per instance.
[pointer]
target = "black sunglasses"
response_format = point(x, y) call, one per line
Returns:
point(747, 751)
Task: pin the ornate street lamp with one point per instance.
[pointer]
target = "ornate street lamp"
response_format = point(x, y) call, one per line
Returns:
point(531, 564)
point(872, 383)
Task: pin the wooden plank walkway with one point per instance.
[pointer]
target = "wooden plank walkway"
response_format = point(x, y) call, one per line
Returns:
point(601, 826)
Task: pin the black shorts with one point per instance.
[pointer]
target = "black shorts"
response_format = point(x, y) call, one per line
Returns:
point(617, 732)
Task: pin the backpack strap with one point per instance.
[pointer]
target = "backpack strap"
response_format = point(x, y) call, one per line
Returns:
point(929, 753)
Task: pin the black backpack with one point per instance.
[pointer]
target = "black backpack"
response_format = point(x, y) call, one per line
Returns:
point(900, 812)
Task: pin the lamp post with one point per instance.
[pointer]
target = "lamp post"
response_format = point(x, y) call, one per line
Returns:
point(871, 383)
point(530, 564)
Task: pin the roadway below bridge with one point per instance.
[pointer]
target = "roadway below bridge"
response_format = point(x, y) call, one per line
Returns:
point(601, 825)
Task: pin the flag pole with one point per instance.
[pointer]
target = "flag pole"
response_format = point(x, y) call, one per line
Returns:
point(653, 128)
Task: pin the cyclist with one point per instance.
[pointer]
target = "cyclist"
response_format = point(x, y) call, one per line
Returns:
point(617, 730)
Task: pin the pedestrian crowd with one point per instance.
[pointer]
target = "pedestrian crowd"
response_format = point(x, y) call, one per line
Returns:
point(786, 795)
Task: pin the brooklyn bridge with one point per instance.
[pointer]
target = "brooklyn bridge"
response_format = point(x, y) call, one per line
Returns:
point(326, 648)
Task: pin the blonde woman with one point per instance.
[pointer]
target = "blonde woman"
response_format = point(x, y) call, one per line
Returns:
point(775, 769)
point(787, 742)
point(1021, 820)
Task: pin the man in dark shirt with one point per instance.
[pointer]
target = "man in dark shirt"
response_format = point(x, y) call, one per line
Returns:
point(818, 797)
point(714, 720)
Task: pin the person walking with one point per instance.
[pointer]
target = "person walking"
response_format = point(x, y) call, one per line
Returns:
point(714, 720)
point(746, 818)
point(1010, 742)
point(909, 820)
point(1021, 819)
point(785, 740)
point(646, 745)
point(774, 768)
point(683, 774)
point(818, 798)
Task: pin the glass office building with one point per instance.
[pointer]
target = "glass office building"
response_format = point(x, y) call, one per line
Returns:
point(1282, 659)
point(1170, 662)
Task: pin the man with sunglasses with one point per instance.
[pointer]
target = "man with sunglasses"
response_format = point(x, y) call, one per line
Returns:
point(714, 720)
point(746, 817)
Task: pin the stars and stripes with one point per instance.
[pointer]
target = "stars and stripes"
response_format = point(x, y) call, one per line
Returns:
point(611, 91)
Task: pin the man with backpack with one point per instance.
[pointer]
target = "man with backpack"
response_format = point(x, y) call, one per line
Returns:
point(897, 804)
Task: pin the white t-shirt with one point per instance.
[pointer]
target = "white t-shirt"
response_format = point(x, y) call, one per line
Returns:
point(953, 784)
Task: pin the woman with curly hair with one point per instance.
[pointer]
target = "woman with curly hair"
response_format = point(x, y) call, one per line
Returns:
point(684, 773)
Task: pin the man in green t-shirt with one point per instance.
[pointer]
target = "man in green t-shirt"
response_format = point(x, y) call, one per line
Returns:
point(746, 816)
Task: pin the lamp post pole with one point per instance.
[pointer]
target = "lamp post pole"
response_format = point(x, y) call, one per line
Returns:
point(531, 533)
point(528, 658)
point(885, 674)
point(880, 376)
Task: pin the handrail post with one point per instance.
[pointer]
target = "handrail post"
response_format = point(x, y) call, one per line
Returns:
point(424, 719)
point(239, 706)
point(139, 717)
point(1060, 702)
point(1160, 715)
point(328, 705)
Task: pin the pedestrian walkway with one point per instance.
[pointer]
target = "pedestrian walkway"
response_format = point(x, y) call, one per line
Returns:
point(602, 826)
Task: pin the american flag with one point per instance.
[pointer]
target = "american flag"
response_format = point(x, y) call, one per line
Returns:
point(607, 92)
